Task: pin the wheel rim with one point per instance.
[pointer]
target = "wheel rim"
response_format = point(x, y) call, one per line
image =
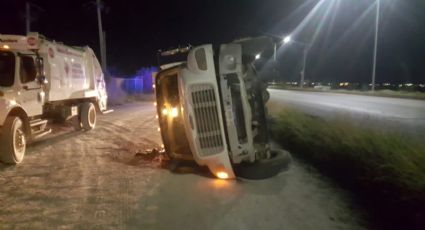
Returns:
point(19, 142)
point(92, 116)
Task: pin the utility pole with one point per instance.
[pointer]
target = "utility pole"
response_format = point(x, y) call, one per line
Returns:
point(305, 54)
point(28, 16)
point(104, 48)
point(101, 33)
point(375, 51)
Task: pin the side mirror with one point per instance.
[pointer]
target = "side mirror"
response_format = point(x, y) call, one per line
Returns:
point(39, 62)
point(42, 80)
point(40, 71)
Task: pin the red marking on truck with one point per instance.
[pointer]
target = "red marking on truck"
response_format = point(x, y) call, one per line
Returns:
point(32, 41)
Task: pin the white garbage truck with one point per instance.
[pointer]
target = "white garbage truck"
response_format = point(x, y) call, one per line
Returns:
point(211, 109)
point(43, 81)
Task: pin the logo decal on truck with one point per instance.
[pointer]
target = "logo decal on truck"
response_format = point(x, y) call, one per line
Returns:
point(66, 68)
point(32, 41)
point(67, 52)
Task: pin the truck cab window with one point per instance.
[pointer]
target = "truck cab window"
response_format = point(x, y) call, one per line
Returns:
point(28, 70)
point(7, 69)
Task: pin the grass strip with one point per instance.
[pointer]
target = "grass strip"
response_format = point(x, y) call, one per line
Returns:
point(386, 168)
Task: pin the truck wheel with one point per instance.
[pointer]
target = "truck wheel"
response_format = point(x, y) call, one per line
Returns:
point(76, 123)
point(88, 116)
point(266, 96)
point(12, 141)
point(263, 169)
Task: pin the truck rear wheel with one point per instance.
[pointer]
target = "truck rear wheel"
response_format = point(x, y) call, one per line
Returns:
point(12, 141)
point(88, 116)
point(266, 168)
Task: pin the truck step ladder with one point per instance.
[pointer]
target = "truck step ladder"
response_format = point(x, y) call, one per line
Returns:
point(107, 111)
point(38, 128)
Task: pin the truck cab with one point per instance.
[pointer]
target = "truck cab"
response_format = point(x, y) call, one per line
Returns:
point(211, 108)
point(21, 80)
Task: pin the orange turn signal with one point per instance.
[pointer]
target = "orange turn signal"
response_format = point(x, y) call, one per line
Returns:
point(222, 175)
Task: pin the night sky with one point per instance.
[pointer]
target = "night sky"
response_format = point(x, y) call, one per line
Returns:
point(341, 32)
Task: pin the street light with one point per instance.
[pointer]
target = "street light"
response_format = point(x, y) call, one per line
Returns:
point(287, 39)
point(307, 47)
point(258, 56)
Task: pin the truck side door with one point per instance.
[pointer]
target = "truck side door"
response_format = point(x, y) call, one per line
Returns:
point(32, 94)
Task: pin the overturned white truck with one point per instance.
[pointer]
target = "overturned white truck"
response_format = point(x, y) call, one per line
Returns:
point(211, 109)
point(42, 80)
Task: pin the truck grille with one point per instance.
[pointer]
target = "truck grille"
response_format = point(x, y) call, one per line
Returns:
point(207, 121)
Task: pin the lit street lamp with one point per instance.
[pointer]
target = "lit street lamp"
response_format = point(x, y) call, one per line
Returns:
point(307, 47)
point(287, 39)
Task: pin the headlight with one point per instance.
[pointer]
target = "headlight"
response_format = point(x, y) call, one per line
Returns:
point(165, 111)
point(172, 112)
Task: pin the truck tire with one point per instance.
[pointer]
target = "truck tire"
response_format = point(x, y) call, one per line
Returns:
point(263, 169)
point(12, 141)
point(266, 96)
point(88, 116)
point(76, 123)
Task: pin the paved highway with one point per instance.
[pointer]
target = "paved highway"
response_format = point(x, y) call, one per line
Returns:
point(385, 113)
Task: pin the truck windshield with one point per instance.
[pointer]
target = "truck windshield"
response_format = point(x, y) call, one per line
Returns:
point(7, 68)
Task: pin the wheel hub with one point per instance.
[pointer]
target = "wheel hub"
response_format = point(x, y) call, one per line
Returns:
point(19, 140)
point(92, 117)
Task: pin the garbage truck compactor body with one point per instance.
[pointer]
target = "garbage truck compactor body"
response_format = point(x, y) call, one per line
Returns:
point(42, 80)
point(211, 109)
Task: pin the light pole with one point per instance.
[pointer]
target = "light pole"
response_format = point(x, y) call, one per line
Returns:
point(101, 37)
point(28, 16)
point(30, 6)
point(287, 39)
point(305, 53)
point(307, 47)
point(375, 51)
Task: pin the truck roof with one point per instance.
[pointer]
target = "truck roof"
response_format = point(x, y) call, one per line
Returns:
point(31, 41)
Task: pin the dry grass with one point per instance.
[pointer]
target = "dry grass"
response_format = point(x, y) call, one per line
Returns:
point(388, 167)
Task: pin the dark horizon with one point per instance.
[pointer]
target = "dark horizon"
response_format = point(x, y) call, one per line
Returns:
point(342, 49)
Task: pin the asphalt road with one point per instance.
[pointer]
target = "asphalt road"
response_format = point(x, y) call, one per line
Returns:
point(385, 113)
point(96, 180)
